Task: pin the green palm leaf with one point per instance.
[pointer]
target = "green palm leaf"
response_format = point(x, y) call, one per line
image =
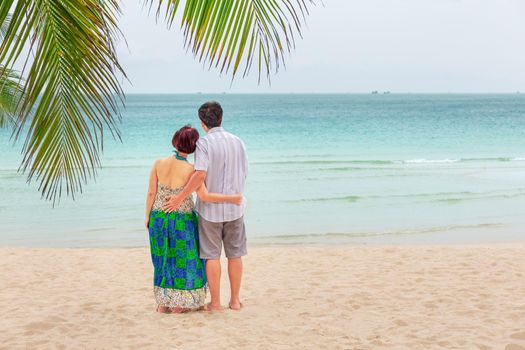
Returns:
point(226, 33)
point(10, 88)
point(3, 26)
point(71, 91)
point(71, 95)
point(10, 96)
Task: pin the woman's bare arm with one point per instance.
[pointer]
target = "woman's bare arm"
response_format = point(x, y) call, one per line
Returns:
point(152, 191)
point(206, 196)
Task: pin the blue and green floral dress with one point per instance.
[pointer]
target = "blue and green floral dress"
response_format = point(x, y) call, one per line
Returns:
point(179, 276)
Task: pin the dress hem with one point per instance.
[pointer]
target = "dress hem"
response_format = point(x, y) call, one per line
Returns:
point(187, 299)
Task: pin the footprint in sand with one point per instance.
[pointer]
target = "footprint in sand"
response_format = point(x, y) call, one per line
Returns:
point(514, 347)
point(126, 322)
point(429, 305)
point(519, 335)
point(400, 323)
point(271, 291)
point(443, 343)
point(39, 326)
point(483, 347)
point(89, 306)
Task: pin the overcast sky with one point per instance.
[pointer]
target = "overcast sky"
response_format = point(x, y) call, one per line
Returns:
point(354, 46)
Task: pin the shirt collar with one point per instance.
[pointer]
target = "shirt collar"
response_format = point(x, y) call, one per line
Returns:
point(216, 129)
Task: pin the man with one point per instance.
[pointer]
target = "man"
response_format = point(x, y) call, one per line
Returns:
point(220, 162)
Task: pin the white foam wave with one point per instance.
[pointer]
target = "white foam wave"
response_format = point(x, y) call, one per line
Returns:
point(417, 161)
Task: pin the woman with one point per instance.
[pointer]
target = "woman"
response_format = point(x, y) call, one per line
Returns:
point(179, 275)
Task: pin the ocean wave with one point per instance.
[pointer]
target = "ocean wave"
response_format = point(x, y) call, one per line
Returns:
point(493, 159)
point(387, 162)
point(411, 161)
point(320, 162)
point(346, 168)
point(450, 197)
point(452, 200)
point(415, 231)
point(460, 160)
point(350, 199)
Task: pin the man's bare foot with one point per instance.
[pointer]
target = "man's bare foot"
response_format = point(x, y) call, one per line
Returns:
point(212, 307)
point(236, 305)
point(163, 309)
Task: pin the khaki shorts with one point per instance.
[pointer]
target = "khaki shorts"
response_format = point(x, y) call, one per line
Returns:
point(213, 234)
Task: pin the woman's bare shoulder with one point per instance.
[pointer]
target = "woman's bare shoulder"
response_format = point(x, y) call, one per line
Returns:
point(162, 162)
point(187, 168)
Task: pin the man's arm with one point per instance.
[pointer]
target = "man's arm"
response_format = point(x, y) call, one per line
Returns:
point(206, 196)
point(195, 181)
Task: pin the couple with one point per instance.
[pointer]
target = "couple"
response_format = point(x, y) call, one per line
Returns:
point(186, 247)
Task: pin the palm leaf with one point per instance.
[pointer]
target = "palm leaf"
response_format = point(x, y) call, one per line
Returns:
point(10, 88)
point(226, 33)
point(3, 26)
point(71, 94)
point(10, 96)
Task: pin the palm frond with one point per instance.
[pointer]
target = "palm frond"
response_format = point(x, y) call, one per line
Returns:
point(10, 96)
point(3, 26)
point(10, 87)
point(226, 33)
point(71, 93)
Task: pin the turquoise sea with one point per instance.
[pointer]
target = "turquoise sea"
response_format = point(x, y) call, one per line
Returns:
point(397, 168)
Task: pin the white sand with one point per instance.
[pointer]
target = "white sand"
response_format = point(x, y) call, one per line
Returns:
point(354, 297)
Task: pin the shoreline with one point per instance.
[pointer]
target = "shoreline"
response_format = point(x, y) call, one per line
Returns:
point(494, 235)
point(308, 245)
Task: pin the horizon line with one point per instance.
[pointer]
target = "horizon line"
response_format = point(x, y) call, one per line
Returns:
point(386, 92)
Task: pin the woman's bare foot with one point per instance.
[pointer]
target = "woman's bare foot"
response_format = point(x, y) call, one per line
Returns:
point(163, 309)
point(179, 310)
point(212, 307)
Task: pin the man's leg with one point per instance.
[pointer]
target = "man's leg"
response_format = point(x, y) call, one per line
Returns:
point(235, 275)
point(235, 248)
point(210, 246)
point(213, 274)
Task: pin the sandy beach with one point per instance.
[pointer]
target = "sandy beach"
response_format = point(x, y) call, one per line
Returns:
point(351, 297)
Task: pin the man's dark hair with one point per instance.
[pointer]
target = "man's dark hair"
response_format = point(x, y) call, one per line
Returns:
point(210, 114)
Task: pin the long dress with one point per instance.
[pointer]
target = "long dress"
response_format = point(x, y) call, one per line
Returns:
point(179, 276)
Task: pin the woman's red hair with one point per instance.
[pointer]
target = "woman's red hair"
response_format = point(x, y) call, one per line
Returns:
point(185, 139)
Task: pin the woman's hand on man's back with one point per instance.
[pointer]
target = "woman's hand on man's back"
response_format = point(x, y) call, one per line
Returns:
point(237, 199)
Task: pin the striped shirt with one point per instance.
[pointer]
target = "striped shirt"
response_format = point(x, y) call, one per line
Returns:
point(223, 156)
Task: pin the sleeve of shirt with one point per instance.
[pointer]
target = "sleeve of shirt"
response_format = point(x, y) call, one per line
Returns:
point(201, 156)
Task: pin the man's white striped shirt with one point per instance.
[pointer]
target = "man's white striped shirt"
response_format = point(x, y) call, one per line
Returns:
point(223, 156)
